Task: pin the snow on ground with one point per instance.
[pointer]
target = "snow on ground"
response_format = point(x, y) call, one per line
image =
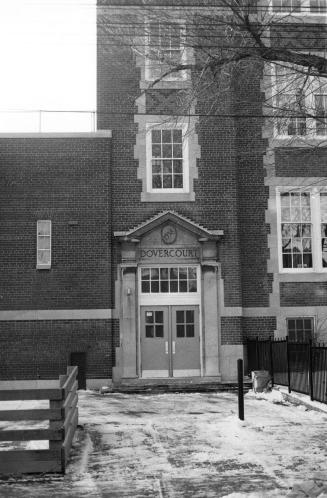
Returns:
point(21, 424)
point(186, 445)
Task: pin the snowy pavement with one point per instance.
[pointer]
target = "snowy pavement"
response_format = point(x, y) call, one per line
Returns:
point(187, 445)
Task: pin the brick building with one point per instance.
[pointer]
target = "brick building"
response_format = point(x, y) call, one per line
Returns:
point(155, 246)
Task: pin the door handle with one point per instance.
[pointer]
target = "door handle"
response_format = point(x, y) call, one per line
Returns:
point(166, 347)
point(174, 347)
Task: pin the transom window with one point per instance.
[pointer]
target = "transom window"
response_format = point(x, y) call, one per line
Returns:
point(169, 279)
point(303, 230)
point(300, 329)
point(185, 323)
point(165, 50)
point(167, 158)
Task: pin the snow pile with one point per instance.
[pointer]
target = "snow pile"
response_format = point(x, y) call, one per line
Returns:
point(274, 396)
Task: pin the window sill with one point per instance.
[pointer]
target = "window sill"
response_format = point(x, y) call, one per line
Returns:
point(43, 267)
point(167, 197)
point(295, 17)
point(165, 84)
point(296, 141)
point(312, 276)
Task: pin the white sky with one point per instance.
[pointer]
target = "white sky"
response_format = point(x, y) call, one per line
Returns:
point(48, 62)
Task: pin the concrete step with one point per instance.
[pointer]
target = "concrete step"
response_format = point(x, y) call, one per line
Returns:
point(177, 385)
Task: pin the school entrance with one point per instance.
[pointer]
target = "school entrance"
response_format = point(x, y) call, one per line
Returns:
point(168, 301)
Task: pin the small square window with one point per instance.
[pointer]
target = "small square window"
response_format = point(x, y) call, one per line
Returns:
point(300, 329)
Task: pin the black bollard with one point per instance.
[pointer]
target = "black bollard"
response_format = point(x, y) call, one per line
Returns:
point(240, 389)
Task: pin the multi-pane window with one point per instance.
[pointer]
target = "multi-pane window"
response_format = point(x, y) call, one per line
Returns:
point(323, 226)
point(298, 98)
point(286, 5)
point(165, 50)
point(321, 113)
point(167, 158)
point(185, 323)
point(303, 229)
point(318, 6)
point(296, 230)
point(154, 324)
point(290, 102)
point(300, 329)
point(169, 279)
point(299, 6)
point(43, 259)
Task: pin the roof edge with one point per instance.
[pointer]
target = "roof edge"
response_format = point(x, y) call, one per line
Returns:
point(86, 134)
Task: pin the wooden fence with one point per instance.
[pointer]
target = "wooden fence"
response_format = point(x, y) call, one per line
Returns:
point(63, 418)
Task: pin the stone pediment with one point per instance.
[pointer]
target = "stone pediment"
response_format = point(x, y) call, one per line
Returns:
point(169, 238)
point(166, 218)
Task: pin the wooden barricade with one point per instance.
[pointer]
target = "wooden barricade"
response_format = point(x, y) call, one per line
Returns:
point(63, 418)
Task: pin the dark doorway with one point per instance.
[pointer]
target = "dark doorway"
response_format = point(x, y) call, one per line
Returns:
point(79, 360)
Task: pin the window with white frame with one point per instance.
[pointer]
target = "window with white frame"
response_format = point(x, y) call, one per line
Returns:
point(167, 159)
point(300, 329)
point(296, 229)
point(323, 227)
point(43, 259)
point(165, 50)
point(177, 279)
point(303, 230)
point(299, 6)
point(300, 102)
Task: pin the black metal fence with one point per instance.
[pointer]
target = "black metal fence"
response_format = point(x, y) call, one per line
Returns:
point(300, 366)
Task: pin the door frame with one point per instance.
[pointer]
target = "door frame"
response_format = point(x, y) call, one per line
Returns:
point(173, 299)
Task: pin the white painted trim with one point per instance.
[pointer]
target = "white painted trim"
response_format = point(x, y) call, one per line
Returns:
point(93, 134)
point(155, 374)
point(195, 372)
point(79, 314)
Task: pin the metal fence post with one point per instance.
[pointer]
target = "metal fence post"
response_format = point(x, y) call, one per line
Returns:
point(240, 389)
point(288, 366)
point(271, 361)
point(310, 370)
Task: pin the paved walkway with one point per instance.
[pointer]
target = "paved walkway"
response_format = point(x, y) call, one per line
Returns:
point(187, 445)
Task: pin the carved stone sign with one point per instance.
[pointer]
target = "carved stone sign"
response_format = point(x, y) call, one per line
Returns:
point(174, 253)
point(169, 244)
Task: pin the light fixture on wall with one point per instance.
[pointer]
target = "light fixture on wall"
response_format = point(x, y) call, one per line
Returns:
point(129, 291)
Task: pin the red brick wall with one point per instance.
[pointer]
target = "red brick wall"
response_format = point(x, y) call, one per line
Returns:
point(41, 349)
point(301, 162)
point(303, 293)
point(236, 329)
point(229, 192)
point(64, 180)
